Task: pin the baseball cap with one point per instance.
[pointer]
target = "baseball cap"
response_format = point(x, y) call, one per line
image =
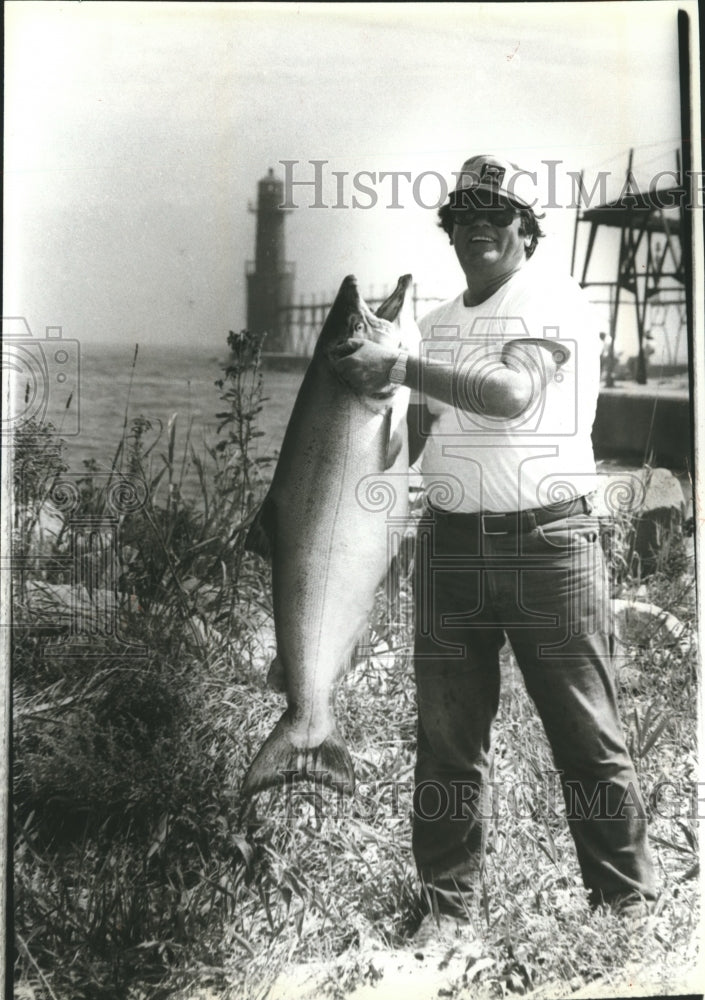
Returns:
point(503, 181)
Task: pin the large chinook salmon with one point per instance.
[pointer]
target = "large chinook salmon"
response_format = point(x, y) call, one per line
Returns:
point(341, 474)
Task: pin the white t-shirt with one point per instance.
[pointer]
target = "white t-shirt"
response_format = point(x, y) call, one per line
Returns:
point(473, 462)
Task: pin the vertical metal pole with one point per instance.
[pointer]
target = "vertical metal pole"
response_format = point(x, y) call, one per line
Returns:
point(640, 360)
point(577, 220)
point(609, 375)
point(615, 313)
point(5, 676)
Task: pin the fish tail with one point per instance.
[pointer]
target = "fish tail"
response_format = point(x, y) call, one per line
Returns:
point(281, 762)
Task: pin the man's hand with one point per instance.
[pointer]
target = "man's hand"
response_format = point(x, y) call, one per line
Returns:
point(364, 365)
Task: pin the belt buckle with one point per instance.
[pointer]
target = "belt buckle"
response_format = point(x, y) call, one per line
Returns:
point(484, 529)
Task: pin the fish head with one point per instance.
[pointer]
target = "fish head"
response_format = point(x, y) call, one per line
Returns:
point(350, 318)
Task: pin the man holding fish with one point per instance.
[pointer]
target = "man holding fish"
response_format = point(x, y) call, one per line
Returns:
point(504, 391)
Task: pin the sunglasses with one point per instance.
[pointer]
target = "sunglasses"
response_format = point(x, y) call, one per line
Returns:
point(501, 216)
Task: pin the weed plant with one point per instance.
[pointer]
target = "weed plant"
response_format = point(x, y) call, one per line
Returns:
point(139, 871)
point(126, 835)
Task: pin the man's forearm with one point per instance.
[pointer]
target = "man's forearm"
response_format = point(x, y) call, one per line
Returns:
point(502, 385)
point(496, 391)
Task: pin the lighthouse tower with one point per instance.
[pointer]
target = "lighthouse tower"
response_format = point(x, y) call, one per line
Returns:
point(270, 278)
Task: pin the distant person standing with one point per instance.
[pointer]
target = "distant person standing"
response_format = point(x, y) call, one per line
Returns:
point(508, 548)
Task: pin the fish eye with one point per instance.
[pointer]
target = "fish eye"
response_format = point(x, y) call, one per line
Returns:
point(356, 323)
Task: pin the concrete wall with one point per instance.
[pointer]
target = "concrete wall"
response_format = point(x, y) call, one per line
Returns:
point(636, 424)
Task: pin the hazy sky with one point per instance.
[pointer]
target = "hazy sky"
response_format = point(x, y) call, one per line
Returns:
point(136, 134)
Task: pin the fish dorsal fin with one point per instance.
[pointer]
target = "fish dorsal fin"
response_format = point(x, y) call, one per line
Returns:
point(260, 537)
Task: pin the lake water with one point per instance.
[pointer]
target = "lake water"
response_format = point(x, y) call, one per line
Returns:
point(164, 382)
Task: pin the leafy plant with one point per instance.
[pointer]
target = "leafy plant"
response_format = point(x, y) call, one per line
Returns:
point(127, 852)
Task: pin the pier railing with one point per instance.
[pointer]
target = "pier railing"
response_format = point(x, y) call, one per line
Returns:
point(301, 324)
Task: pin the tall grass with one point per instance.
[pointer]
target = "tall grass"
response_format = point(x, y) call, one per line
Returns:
point(139, 871)
point(126, 856)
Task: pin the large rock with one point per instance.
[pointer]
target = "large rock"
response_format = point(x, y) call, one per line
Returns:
point(642, 513)
point(37, 532)
point(63, 609)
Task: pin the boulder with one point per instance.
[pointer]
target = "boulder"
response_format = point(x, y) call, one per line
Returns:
point(641, 512)
point(639, 623)
point(37, 532)
point(90, 617)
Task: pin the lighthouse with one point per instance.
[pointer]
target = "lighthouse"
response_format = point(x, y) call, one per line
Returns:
point(270, 278)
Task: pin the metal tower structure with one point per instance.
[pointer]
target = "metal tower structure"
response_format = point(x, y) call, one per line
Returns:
point(270, 277)
point(650, 262)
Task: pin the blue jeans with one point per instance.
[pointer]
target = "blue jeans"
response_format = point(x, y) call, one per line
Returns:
point(545, 590)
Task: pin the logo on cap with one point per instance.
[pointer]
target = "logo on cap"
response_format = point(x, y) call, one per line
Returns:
point(492, 174)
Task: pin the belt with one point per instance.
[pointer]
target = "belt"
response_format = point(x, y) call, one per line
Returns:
point(517, 521)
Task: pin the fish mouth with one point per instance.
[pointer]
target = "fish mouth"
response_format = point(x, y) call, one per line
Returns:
point(345, 346)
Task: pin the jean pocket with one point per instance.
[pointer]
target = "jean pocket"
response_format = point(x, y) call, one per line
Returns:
point(569, 533)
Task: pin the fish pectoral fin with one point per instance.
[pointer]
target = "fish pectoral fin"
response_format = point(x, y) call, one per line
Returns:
point(394, 447)
point(281, 762)
point(260, 537)
point(394, 438)
point(276, 675)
